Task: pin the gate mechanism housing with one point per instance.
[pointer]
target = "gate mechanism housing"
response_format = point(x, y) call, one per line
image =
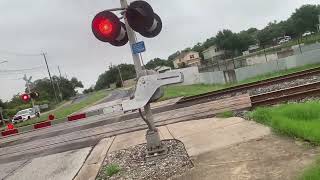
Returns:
point(147, 87)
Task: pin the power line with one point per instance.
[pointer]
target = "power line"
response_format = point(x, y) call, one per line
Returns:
point(19, 53)
point(21, 70)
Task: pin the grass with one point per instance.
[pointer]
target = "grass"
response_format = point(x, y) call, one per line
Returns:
point(226, 114)
point(191, 90)
point(294, 120)
point(112, 169)
point(313, 172)
point(67, 110)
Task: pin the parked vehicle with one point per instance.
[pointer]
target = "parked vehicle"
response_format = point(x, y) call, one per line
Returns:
point(26, 114)
point(307, 33)
point(282, 41)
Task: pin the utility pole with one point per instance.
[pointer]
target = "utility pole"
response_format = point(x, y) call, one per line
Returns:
point(154, 145)
point(120, 75)
point(132, 40)
point(54, 89)
point(58, 83)
point(59, 71)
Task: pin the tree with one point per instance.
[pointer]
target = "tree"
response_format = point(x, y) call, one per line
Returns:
point(2, 104)
point(112, 75)
point(306, 18)
point(89, 90)
point(75, 83)
point(158, 62)
point(245, 40)
point(174, 56)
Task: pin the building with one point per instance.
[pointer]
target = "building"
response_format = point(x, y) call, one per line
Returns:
point(251, 49)
point(213, 53)
point(190, 58)
point(162, 69)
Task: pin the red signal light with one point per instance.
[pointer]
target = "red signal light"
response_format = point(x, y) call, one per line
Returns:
point(107, 27)
point(25, 97)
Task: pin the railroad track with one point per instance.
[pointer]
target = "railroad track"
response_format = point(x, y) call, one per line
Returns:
point(284, 95)
point(240, 89)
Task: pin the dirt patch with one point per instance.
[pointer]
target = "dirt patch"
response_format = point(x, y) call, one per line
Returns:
point(268, 158)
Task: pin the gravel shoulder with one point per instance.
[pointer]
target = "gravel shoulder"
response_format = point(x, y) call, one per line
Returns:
point(133, 164)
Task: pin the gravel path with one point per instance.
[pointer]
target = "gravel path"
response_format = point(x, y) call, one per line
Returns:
point(133, 165)
point(284, 85)
point(275, 87)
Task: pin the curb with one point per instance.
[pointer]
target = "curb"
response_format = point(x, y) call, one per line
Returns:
point(94, 161)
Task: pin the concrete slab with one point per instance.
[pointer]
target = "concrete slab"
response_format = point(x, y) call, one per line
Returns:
point(269, 157)
point(130, 139)
point(200, 136)
point(9, 168)
point(211, 134)
point(188, 128)
point(91, 167)
point(165, 133)
point(62, 166)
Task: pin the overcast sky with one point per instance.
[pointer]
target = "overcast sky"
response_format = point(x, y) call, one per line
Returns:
point(62, 29)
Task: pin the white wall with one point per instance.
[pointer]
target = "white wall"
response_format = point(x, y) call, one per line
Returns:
point(191, 75)
point(309, 57)
point(261, 59)
point(215, 77)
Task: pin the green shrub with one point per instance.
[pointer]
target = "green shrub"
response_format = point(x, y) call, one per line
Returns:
point(112, 169)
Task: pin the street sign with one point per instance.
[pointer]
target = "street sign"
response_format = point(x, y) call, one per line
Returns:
point(138, 47)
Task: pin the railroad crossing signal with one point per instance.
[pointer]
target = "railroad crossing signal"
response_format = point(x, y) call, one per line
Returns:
point(143, 20)
point(107, 27)
point(25, 97)
point(34, 95)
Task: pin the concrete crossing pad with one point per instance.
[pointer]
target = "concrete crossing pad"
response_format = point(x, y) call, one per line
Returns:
point(62, 166)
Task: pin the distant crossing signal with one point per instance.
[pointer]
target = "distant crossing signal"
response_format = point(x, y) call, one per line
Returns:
point(34, 95)
point(25, 97)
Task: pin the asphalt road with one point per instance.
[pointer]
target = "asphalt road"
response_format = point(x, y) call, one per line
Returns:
point(115, 95)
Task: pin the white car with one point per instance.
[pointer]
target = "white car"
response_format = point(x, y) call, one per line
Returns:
point(283, 41)
point(24, 115)
point(308, 33)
